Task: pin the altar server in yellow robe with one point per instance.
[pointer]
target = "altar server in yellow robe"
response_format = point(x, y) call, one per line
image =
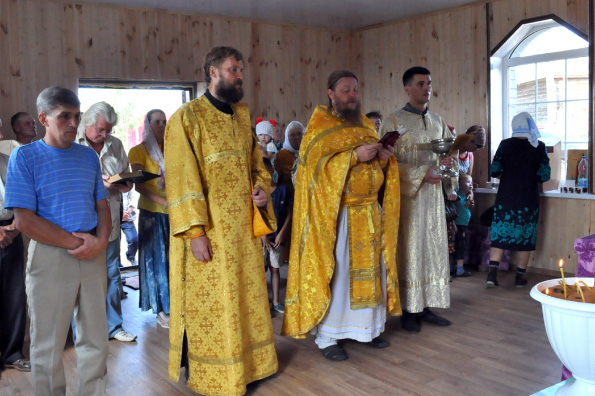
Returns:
point(342, 279)
point(220, 324)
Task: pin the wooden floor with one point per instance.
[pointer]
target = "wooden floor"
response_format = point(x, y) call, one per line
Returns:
point(496, 346)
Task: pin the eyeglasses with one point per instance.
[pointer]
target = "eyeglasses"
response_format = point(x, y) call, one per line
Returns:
point(103, 131)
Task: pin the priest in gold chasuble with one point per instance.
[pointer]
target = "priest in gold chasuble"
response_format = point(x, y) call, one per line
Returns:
point(220, 324)
point(342, 279)
point(423, 246)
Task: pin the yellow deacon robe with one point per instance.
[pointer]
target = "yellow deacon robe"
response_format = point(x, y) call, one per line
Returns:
point(213, 162)
point(423, 242)
point(328, 178)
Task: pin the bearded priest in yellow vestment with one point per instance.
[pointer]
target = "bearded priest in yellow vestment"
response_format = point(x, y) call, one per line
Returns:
point(342, 279)
point(220, 324)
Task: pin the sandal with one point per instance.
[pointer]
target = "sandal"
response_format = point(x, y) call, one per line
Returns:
point(334, 352)
point(163, 322)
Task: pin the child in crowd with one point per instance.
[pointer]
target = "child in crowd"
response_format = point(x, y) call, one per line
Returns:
point(274, 243)
point(465, 202)
point(264, 133)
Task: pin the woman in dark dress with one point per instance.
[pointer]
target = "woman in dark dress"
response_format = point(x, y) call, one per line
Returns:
point(522, 164)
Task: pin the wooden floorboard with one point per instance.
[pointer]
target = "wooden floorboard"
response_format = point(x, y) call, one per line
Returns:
point(496, 346)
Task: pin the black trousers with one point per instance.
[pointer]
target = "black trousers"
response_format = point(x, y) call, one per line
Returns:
point(460, 242)
point(13, 301)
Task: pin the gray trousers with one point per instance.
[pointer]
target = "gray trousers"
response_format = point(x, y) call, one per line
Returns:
point(57, 285)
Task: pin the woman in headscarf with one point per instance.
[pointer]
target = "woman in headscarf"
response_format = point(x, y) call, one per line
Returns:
point(522, 164)
point(286, 157)
point(153, 220)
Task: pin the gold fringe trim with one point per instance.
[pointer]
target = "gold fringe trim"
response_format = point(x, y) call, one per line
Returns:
point(191, 195)
point(188, 226)
point(230, 360)
point(225, 154)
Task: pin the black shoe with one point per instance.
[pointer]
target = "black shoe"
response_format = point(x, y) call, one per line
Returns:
point(410, 322)
point(377, 343)
point(492, 280)
point(334, 352)
point(431, 317)
point(520, 282)
point(465, 274)
point(23, 365)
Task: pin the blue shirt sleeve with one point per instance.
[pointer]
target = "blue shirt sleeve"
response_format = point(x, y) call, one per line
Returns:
point(100, 192)
point(20, 183)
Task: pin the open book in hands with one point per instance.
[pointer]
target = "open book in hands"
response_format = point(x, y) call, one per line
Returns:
point(139, 176)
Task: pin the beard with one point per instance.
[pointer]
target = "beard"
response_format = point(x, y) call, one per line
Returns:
point(353, 116)
point(228, 92)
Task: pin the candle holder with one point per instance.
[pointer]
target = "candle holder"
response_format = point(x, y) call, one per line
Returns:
point(569, 326)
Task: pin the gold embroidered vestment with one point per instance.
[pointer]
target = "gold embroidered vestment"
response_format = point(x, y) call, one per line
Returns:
point(328, 178)
point(423, 245)
point(211, 158)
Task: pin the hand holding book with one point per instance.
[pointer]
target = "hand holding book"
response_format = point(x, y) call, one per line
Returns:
point(391, 137)
point(139, 176)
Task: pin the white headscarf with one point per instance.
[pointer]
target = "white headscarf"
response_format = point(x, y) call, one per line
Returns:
point(524, 126)
point(286, 145)
point(154, 151)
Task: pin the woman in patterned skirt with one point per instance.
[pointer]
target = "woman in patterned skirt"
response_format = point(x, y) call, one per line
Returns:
point(522, 164)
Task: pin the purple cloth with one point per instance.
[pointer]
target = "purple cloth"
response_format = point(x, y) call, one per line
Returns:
point(585, 249)
point(585, 268)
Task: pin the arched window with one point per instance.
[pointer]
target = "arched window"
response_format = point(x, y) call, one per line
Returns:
point(543, 68)
point(547, 39)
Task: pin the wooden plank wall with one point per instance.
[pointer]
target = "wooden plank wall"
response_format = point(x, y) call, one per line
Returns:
point(433, 41)
point(506, 14)
point(561, 222)
point(45, 43)
point(453, 45)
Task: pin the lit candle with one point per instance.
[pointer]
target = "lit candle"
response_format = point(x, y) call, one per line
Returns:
point(578, 288)
point(547, 291)
point(563, 280)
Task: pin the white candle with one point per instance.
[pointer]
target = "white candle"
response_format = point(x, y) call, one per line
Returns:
point(561, 264)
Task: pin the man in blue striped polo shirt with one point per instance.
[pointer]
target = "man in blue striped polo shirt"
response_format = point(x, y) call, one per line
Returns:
point(56, 191)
